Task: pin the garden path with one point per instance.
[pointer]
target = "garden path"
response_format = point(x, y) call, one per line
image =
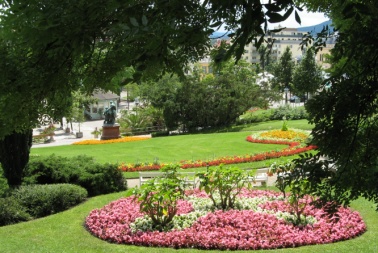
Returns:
point(134, 182)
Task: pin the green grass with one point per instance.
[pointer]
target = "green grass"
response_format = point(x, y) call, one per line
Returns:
point(64, 232)
point(166, 149)
point(268, 125)
point(277, 124)
point(252, 165)
point(184, 147)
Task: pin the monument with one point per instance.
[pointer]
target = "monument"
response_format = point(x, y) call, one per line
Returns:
point(110, 129)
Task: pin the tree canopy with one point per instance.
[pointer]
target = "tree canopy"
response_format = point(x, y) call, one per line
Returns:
point(53, 47)
point(50, 48)
point(345, 115)
point(307, 76)
point(202, 101)
point(283, 71)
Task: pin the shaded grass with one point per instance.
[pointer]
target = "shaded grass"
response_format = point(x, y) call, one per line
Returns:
point(64, 232)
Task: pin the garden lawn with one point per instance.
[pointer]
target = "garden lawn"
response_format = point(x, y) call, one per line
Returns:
point(64, 232)
point(170, 149)
point(269, 125)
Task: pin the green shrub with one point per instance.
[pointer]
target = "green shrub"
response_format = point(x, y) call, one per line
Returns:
point(81, 170)
point(254, 117)
point(11, 212)
point(223, 184)
point(290, 113)
point(102, 179)
point(3, 184)
point(158, 197)
point(160, 134)
point(43, 200)
point(284, 126)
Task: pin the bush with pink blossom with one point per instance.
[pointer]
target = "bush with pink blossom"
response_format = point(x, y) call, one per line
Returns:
point(259, 222)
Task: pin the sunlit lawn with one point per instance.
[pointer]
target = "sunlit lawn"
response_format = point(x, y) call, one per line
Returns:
point(166, 149)
point(64, 232)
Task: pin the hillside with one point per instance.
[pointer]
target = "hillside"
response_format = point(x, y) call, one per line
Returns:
point(313, 29)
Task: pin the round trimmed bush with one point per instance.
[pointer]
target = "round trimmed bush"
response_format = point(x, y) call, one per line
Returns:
point(11, 212)
point(102, 179)
point(43, 200)
point(81, 170)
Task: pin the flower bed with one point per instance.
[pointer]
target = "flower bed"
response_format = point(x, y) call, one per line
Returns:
point(261, 222)
point(288, 135)
point(119, 140)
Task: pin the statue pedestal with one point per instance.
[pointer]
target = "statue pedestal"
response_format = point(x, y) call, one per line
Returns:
point(110, 132)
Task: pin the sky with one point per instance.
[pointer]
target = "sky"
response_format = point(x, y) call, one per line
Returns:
point(307, 19)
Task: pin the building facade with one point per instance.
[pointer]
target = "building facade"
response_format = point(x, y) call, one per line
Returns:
point(288, 37)
point(96, 110)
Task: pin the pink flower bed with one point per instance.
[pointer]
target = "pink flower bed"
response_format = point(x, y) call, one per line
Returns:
point(230, 230)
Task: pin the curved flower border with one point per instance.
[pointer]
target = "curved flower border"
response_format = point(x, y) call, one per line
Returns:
point(227, 230)
point(292, 149)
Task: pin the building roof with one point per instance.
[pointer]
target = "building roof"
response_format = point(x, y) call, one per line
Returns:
point(100, 95)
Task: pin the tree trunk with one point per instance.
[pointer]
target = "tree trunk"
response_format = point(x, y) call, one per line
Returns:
point(14, 155)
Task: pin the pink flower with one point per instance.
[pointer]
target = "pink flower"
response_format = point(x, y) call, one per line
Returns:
point(226, 230)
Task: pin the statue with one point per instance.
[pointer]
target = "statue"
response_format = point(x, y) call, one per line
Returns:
point(110, 114)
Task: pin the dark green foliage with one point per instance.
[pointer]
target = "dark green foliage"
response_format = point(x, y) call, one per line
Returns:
point(81, 170)
point(14, 155)
point(102, 179)
point(142, 120)
point(83, 46)
point(4, 188)
point(210, 101)
point(307, 77)
point(345, 112)
point(43, 200)
point(283, 71)
point(11, 212)
point(160, 134)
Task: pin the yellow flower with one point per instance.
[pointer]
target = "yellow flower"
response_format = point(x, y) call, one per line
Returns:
point(288, 135)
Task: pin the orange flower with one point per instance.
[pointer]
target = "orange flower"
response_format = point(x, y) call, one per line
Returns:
point(124, 139)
